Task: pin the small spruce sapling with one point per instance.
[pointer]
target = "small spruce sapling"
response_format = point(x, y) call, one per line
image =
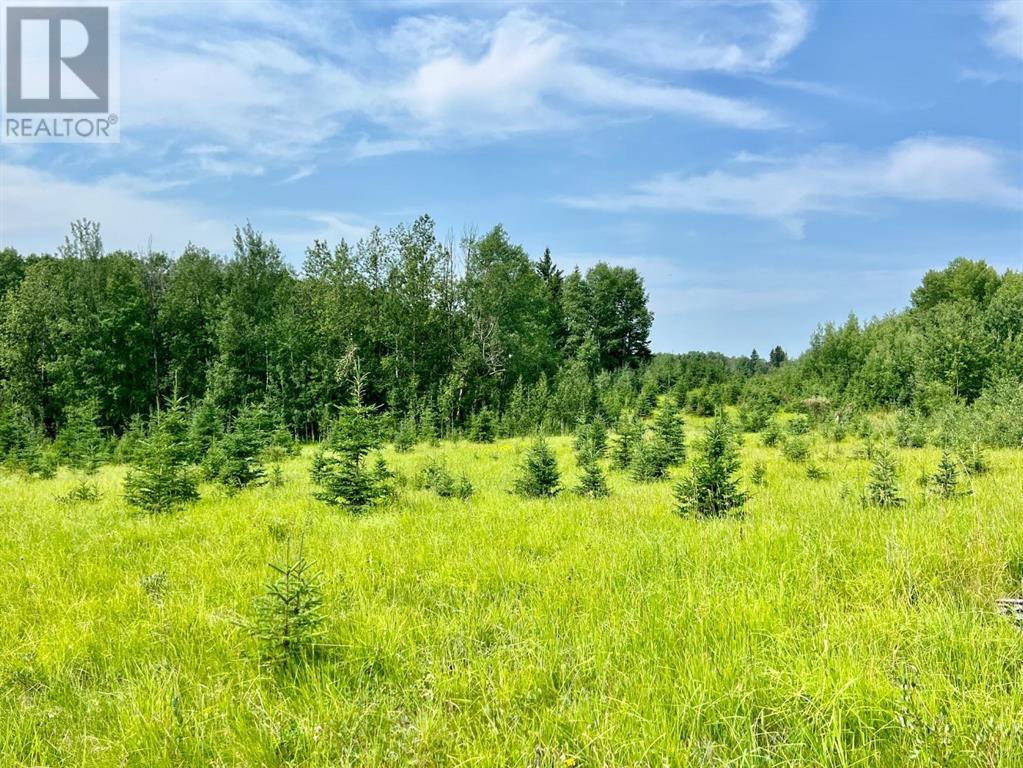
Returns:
point(946, 479)
point(630, 432)
point(882, 484)
point(538, 475)
point(711, 488)
point(160, 478)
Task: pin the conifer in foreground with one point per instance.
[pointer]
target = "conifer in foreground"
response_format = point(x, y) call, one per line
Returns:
point(539, 476)
point(882, 484)
point(160, 479)
point(711, 488)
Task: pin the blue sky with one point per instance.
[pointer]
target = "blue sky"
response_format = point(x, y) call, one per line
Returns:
point(766, 165)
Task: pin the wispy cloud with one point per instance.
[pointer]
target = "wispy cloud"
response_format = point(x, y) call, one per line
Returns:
point(829, 180)
point(1006, 20)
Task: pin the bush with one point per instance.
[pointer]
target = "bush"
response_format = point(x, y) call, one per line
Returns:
point(755, 416)
point(975, 459)
point(772, 434)
point(437, 478)
point(759, 474)
point(796, 449)
point(236, 459)
point(669, 436)
point(711, 489)
point(946, 479)
point(910, 431)
point(405, 436)
point(799, 425)
point(816, 472)
point(539, 476)
point(649, 461)
point(80, 442)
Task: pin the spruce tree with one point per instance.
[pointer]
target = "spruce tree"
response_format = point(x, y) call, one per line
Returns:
point(236, 459)
point(711, 488)
point(405, 436)
point(630, 432)
point(80, 442)
point(649, 461)
point(481, 429)
point(160, 478)
point(539, 476)
point(428, 431)
point(340, 468)
point(669, 435)
point(946, 478)
point(289, 615)
point(882, 484)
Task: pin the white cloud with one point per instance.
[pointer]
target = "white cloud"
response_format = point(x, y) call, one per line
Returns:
point(36, 208)
point(1006, 20)
point(828, 181)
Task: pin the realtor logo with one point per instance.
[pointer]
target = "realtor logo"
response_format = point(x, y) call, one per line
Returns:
point(60, 73)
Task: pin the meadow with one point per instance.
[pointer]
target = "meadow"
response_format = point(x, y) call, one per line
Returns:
point(497, 631)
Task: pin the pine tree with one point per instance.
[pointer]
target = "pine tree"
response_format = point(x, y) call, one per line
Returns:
point(539, 474)
point(482, 428)
point(160, 479)
point(80, 442)
point(669, 435)
point(593, 482)
point(428, 431)
point(236, 459)
point(630, 432)
point(340, 468)
point(592, 437)
point(649, 461)
point(405, 436)
point(711, 488)
point(882, 485)
point(289, 615)
point(205, 429)
point(946, 479)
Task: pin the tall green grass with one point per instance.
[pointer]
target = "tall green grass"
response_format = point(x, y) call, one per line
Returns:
point(504, 632)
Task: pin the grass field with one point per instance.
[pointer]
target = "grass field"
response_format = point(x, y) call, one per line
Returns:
point(503, 632)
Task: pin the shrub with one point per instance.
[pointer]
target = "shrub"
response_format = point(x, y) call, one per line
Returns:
point(799, 425)
point(882, 484)
point(591, 437)
point(975, 459)
point(236, 459)
point(80, 442)
point(759, 474)
point(772, 434)
point(909, 431)
point(160, 479)
point(796, 449)
point(428, 431)
point(539, 476)
point(816, 472)
point(205, 429)
point(289, 615)
point(711, 489)
point(649, 461)
point(756, 415)
point(84, 492)
point(593, 483)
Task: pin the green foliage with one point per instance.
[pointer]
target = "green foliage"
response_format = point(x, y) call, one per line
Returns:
point(80, 442)
point(593, 482)
point(236, 458)
point(405, 436)
point(711, 488)
point(160, 479)
point(669, 435)
point(289, 620)
point(481, 428)
point(758, 476)
point(796, 448)
point(205, 429)
point(772, 434)
point(975, 459)
point(649, 461)
point(591, 438)
point(909, 431)
point(538, 475)
point(816, 472)
point(799, 425)
point(83, 492)
point(436, 477)
point(946, 478)
point(339, 468)
point(882, 484)
point(22, 444)
point(627, 440)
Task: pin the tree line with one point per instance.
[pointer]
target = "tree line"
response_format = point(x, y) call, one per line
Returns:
point(476, 340)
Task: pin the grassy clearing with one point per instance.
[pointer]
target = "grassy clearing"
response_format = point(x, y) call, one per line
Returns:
point(500, 632)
